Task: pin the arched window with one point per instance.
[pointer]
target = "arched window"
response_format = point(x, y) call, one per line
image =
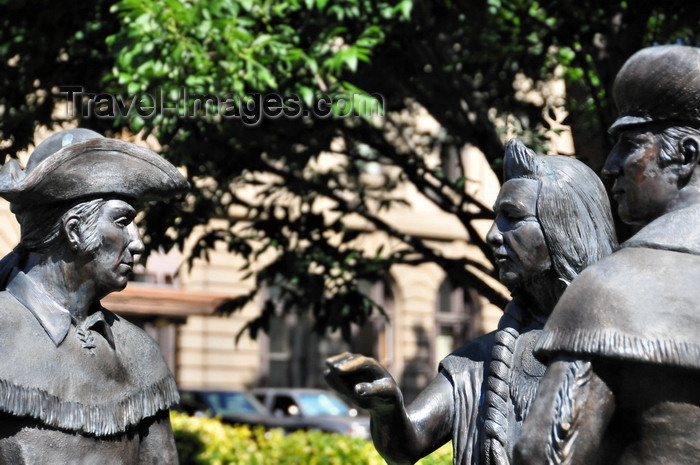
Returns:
point(457, 318)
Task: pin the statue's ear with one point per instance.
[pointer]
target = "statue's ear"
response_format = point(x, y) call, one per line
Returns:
point(690, 150)
point(71, 228)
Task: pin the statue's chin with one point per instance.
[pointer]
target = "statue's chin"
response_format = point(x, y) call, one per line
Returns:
point(509, 281)
point(116, 287)
point(510, 278)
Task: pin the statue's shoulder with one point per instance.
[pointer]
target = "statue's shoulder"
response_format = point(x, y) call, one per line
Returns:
point(608, 308)
point(7, 301)
point(474, 354)
point(14, 320)
point(629, 282)
point(134, 345)
point(137, 350)
point(595, 286)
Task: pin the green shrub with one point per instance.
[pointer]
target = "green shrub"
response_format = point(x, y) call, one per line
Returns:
point(206, 441)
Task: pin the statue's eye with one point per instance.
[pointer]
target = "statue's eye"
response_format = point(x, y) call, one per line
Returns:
point(513, 216)
point(633, 140)
point(123, 221)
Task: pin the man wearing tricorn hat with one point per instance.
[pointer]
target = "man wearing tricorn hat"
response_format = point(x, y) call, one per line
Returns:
point(631, 321)
point(78, 384)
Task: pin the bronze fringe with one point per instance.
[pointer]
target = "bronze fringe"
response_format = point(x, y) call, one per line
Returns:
point(609, 343)
point(523, 390)
point(105, 419)
point(467, 378)
point(567, 410)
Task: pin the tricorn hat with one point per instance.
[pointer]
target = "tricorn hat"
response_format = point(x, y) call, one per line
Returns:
point(658, 84)
point(79, 163)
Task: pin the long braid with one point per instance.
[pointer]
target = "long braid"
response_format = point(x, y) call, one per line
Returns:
point(498, 389)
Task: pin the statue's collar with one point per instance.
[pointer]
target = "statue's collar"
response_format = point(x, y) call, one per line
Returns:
point(675, 231)
point(53, 317)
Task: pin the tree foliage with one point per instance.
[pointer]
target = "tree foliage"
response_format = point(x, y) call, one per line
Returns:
point(203, 441)
point(267, 177)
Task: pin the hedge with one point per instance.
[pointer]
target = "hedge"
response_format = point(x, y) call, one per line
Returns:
point(207, 441)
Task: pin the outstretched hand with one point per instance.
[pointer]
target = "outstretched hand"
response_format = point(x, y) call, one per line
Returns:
point(363, 380)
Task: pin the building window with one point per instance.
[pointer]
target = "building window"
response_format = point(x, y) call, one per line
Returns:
point(154, 279)
point(293, 355)
point(279, 352)
point(376, 338)
point(160, 270)
point(457, 318)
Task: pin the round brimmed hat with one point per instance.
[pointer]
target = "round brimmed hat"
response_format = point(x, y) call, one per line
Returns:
point(79, 163)
point(658, 84)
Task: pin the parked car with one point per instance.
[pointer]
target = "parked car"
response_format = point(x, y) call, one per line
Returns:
point(314, 409)
point(233, 406)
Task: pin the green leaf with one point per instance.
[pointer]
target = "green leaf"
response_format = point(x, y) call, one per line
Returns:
point(307, 95)
point(133, 88)
point(405, 7)
point(261, 40)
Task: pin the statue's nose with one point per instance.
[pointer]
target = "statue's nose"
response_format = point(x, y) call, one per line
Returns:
point(494, 236)
point(135, 241)
point(613, 164)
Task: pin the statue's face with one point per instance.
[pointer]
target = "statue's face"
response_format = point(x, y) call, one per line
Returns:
point(120, 242)
point(516, 236)
point(643, 188)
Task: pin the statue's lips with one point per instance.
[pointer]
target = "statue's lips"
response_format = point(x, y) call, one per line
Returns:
point(125, 268)
point(500, 254)
point(618, 191)
point(502, 260)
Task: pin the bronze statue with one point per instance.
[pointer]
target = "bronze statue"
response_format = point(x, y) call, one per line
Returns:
point(623, 382)
point(553, 220)
point(78, 384)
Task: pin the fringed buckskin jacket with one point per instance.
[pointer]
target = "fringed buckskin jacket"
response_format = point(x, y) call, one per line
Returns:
point(638, 311)
point(92, 392)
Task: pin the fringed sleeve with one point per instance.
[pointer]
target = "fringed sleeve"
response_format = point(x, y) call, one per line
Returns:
point(466, 377)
